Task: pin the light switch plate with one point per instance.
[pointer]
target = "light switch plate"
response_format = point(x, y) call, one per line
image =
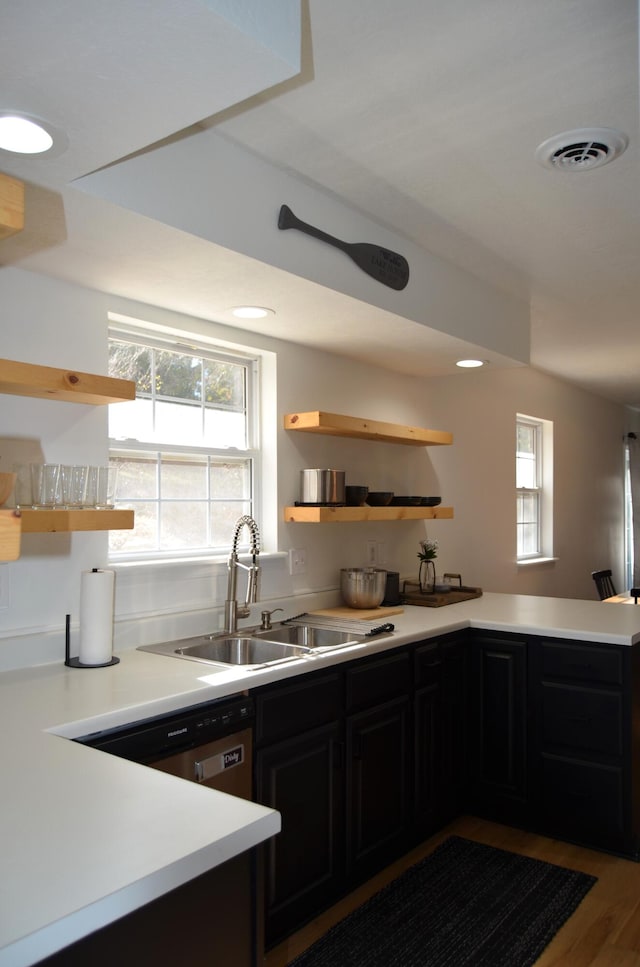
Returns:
point(297, 560)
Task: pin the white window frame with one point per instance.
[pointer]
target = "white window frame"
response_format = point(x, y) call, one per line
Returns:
point(208, 349)
point(542, 490)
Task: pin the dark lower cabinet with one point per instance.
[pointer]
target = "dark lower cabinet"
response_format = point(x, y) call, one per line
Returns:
point(498, 727)
point(344, 756)
point(367, 759)
point(582, 801)
point(378, 761)
point(441, 709)
point(302, 778)
point(585, 711)
point(299, 770)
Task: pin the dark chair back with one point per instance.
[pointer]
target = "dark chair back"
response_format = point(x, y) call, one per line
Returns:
point(604, 584)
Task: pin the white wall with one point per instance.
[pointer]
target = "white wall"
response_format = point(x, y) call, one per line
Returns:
point(50, 322)
point(480, 408)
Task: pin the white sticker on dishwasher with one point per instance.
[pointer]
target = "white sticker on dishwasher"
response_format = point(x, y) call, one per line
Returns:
point(215, 764)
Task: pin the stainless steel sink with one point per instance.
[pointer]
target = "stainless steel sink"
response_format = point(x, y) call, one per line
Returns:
point(309, 637)
point(241, 649)
point(251, 648)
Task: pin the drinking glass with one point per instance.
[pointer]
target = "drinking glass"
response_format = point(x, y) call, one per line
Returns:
point(101, 487)
point(73, 484)
point(23, 490)
point(45, 480)
point(107, 481)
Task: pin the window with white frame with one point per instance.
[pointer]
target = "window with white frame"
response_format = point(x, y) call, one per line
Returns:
point(185, 449)
point(534, 488)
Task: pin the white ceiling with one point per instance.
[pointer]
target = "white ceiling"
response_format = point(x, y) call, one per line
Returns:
point(424, 115)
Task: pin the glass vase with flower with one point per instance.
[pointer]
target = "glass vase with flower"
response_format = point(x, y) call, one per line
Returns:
point(427, 571)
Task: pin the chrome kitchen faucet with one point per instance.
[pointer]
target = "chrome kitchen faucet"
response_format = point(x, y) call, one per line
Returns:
point(232, 611)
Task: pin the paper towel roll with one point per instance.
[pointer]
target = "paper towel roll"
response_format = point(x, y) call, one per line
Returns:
point(96, 617)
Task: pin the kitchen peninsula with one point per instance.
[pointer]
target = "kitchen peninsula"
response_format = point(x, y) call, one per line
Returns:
point(87, 837)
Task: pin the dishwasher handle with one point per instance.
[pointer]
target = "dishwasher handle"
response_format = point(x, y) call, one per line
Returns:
point(214, 765)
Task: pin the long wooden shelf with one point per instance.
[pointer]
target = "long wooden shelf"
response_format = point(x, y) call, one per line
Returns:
point(333, 424)
point(62, 521)
point(11, 206)
point(327, 515)
point(46, 382)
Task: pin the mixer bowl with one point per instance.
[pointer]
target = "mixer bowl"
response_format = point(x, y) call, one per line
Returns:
point(363, 587)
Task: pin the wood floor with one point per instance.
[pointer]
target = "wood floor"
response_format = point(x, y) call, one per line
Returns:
point(603, 932)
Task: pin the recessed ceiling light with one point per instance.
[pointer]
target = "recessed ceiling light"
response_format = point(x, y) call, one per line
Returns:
point(251, 312)
point(25, 134)
point(469, 363)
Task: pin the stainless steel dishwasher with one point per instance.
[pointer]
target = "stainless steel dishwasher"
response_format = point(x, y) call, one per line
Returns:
point(217, 918)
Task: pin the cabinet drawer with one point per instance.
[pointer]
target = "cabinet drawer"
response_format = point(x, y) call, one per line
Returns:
point(582, 801)
point(376, 680)
point(582, 719)
point(288, 709)
point(586, 663)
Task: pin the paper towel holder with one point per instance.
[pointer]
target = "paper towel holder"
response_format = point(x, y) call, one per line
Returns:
point(75, 662)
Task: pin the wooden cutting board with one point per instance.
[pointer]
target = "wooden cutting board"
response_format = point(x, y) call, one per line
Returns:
point(361, 614)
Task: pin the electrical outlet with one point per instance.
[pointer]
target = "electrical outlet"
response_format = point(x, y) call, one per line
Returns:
point(297, 560)
point(372, 552)
point(381, 553)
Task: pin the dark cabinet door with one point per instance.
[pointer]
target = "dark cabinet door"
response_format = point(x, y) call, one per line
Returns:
point(583, 802)
point(378, 746)
point(498, 731)
point(428, 758)
point(428, 737)
point(441, 708)
point(301, 777)
point(582, 763)
point(454, 781)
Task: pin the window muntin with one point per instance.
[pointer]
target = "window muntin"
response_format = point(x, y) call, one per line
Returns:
point(185, 447)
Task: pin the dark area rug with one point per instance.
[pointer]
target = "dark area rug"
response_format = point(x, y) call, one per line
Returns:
point(465, 904)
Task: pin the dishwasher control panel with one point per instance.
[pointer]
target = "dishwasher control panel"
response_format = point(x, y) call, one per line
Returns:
point(155, 738)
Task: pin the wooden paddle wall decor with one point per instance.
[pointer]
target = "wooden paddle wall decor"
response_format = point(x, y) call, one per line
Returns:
point(381, 264)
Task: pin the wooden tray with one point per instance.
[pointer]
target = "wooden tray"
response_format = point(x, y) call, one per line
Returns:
point(438, 600)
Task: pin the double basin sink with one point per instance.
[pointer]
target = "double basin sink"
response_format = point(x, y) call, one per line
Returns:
point(255, 647)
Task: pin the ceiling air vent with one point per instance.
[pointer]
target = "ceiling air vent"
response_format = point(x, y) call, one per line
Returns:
point(582, 149)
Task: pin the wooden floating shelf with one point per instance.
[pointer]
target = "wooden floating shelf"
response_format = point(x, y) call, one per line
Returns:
point(62, 521)
point(9, 535)
point(11, 206)
point(327, 515)
point(332, 424)
point(46, 382)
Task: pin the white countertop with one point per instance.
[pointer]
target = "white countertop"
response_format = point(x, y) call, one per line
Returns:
point(86, 837)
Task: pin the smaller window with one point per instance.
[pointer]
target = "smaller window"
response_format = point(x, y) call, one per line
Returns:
point(534, 482)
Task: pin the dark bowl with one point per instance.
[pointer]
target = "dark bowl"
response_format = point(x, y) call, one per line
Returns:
point(406, 501)
point(431, 501)
point(379, 498)
point(355, 496)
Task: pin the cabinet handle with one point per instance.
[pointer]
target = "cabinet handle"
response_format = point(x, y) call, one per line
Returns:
point(338, 754)
point(432, 664)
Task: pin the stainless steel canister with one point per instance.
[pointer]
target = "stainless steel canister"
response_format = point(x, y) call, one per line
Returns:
point(322, 486)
